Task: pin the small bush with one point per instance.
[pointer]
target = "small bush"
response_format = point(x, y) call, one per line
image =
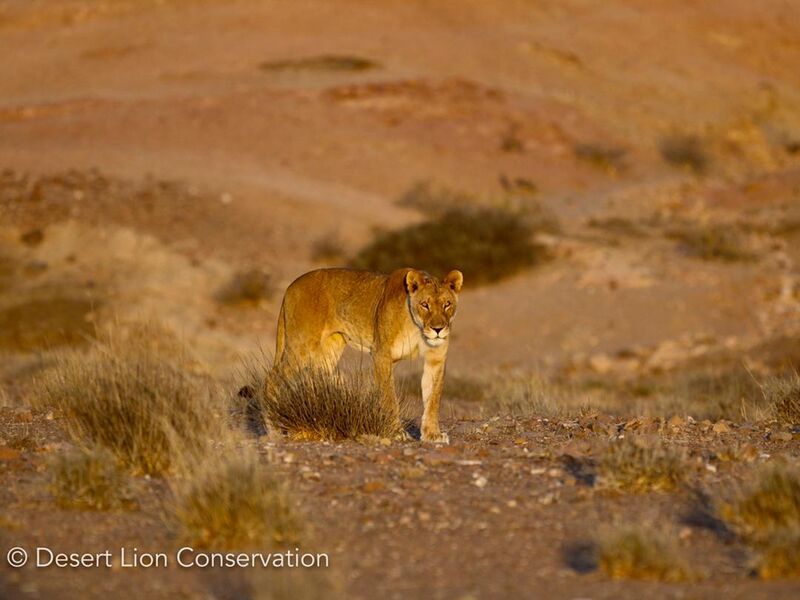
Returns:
point(231, 502)
point(90, 479)
point(617, 226)
point(685, 151)
point(713, 242)
point(607, 158)
point(132, 396)
point(768, 504)
point(328, 249)
point(780, 556)
point(325, 62)
point(312, 404)
point(642, 463)
point(486, 244)
point(639, 553)
point(782, 394)
point(247, 288)
point(435, 200)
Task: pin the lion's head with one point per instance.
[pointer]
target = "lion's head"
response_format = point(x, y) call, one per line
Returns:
point(432, 303)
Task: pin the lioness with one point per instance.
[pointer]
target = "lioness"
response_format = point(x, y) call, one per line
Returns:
point(396, 316)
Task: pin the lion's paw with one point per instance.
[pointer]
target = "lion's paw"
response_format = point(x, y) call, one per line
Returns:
point(437, 438)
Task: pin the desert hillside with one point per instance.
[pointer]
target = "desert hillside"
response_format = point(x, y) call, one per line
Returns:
point(619, 182)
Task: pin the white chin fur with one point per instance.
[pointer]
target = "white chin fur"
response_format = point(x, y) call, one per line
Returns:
point(435, 341)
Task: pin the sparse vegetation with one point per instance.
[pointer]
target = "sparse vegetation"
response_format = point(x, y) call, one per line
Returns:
point(130, 395)
point(312, 404)
point(707, 393)
point(90, 479)
point(486, 244)
point(642, 553)
point(712, 241)
point(642, 463)
point(782, 394)
point(325, 62)
point(767, 505)
point(230, 501)
point(435, 200)
point(247, 288)
point(685, 151)
point(617, 226)
point(607, 158)
point(779, 556)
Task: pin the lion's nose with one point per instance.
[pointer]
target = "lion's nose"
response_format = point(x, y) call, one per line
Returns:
point(437, 329)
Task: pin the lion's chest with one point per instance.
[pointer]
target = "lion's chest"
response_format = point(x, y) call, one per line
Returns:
point(407, 345)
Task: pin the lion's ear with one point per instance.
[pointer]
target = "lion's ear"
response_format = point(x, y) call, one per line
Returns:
point(455, 280)
point(413, 281)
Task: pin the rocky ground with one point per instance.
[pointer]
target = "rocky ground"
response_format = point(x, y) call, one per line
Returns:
point(182, 161)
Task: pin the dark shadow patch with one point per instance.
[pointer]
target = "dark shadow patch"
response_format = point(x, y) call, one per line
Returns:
point(412, 429)
point(581, 556)
point(583, 470)
point(701, 514)
point(252, 414)
point(331, 63)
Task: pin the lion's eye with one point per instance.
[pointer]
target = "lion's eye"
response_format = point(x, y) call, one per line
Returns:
point(424, 305)
point(446, 305)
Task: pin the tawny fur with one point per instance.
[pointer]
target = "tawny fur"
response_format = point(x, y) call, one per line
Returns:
point(402, 315)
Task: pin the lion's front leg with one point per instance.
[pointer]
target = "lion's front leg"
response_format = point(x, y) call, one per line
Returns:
point(432, 385)
point(384, 378)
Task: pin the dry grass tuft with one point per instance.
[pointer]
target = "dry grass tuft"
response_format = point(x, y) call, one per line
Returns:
point(642, 553)
point(780, 556)
point(312, 404)
point(717, 241)
point(231, 502)
point(130, 398)
point(90, 479)
point(487, 244)
point(767, 505)
point(247, 288)
point(607, 158)
point(782, 394)
point(685, 151)
point(642, 463)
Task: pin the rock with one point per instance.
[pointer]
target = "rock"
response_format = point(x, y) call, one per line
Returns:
point(373, 486)
point(676, 421)
point(479, 480)
point(601, 363)
point(23, 415)
point(437, 458)
point(9, 454)
point(720, 427)
point(33, 237)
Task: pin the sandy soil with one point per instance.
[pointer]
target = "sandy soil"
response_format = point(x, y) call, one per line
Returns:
point(153, 150)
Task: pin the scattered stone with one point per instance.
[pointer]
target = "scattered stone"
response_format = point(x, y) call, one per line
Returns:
point(479, 480)
point(720, 427)
point(676, 421)
point(373, 486)
point(9, 454)
point(23, 415)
